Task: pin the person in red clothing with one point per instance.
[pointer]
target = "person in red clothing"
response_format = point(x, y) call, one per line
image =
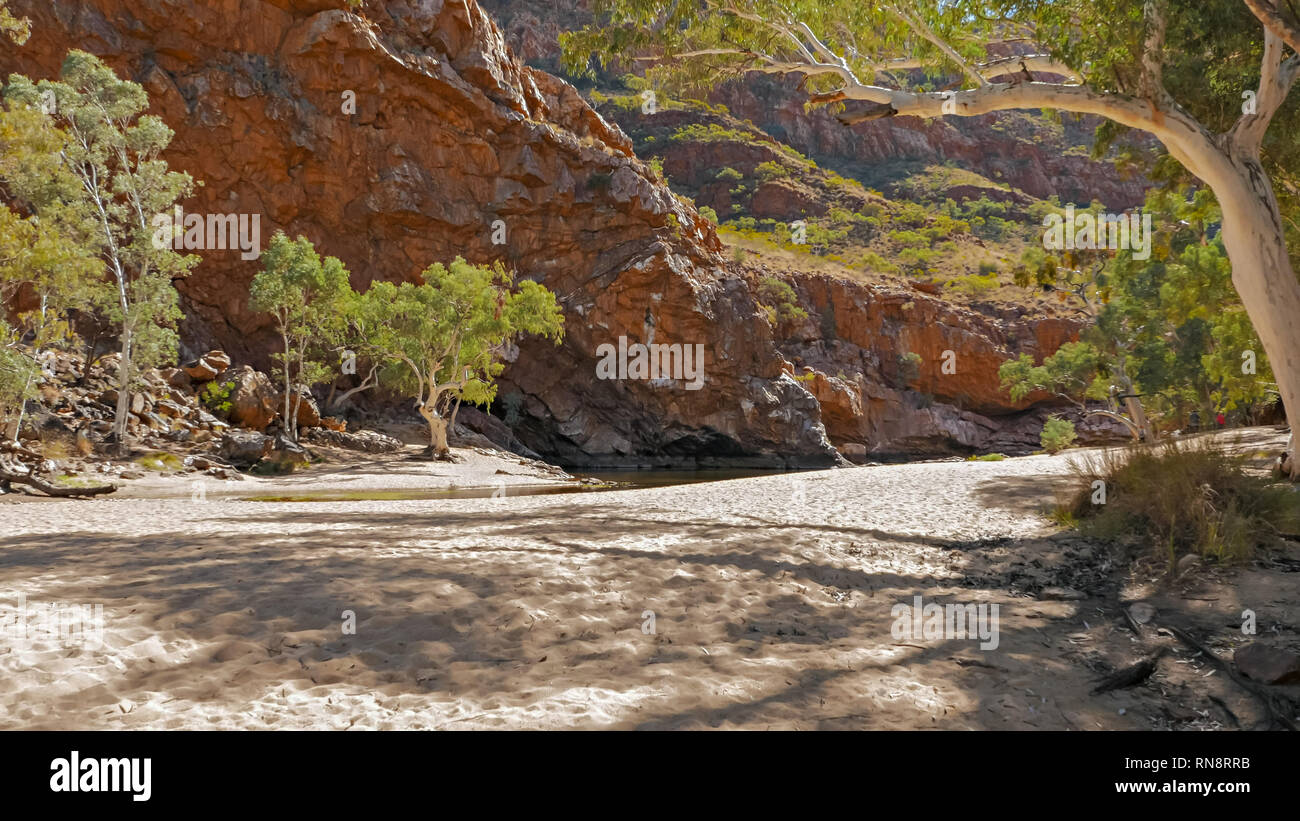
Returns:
point(1221, 419)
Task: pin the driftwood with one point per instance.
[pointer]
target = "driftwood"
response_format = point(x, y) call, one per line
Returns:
point(1130, 676)
point(20, 466)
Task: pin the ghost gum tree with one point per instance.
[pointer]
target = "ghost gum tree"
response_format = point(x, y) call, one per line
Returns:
point(46, 271)
point(1175, 70)
point(308, 298)
point(442, 341)
point(113, 153)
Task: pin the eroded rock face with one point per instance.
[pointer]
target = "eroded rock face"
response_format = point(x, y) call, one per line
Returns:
point(412, 135)
point(852, 352)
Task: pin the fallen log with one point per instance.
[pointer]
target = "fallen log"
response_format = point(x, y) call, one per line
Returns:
point(1131, 675)
point(20, 466)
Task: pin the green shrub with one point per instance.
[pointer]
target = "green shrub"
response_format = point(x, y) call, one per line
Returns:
point(779, 300)
point(709, 214)
point(730, 174)
point(215, 396)
point(768, 171)
point(909, 369)
point(160, 461)
point(1058, 434)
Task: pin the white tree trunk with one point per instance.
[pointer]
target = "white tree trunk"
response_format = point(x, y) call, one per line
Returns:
point(123, 393)
point(1263, 276)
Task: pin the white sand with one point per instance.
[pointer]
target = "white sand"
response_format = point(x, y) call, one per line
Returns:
point(771, 598)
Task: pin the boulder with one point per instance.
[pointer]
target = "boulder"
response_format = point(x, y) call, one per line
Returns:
point(1271, 665)
point(308, 411)
point(218, 359)
point(252, 399)
point(207, 367)
point(177, 378)
point(286, 456)
point(245, 448)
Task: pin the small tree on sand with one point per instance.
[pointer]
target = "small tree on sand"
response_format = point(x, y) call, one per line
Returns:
point(307, 297)
point(442, 341)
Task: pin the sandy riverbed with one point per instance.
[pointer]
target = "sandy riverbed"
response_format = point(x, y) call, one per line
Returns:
point(771, 601)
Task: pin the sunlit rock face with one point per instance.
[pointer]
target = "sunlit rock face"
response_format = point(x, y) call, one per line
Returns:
point(411, 134)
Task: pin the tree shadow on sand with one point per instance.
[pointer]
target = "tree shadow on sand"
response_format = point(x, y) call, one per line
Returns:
point(538, 616)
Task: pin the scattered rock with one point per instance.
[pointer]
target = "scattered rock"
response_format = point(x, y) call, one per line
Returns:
point(333, 423)
point(366, 441)
point(176, 378)
point(1141, 612)
point(1271, 665)
point(245, 448)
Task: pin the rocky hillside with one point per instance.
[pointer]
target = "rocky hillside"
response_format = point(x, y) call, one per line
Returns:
point(453, 144)
point(1032, 155)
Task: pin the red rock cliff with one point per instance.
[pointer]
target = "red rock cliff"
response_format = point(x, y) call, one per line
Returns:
point(452, 138)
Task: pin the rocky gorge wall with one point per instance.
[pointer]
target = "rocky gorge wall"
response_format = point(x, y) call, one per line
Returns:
point(451, 140)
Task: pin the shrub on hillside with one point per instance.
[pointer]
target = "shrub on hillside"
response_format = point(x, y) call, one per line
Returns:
point(778, 299)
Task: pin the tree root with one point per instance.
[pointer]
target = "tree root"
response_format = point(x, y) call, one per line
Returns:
point(1279, 709)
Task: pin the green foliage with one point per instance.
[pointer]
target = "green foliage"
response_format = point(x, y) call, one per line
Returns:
point(1074, 372)
point(112, 152)
point(443, 340)
point(974, 285)
point(730, 174)
point(308, 297)
point(778, 299)
point(771, 170)
point(709, 214)
point(17, 29)
point(215, 396)
point(161, 461)
point(1184, 498)
point(908, 369)
point(1058, 434)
